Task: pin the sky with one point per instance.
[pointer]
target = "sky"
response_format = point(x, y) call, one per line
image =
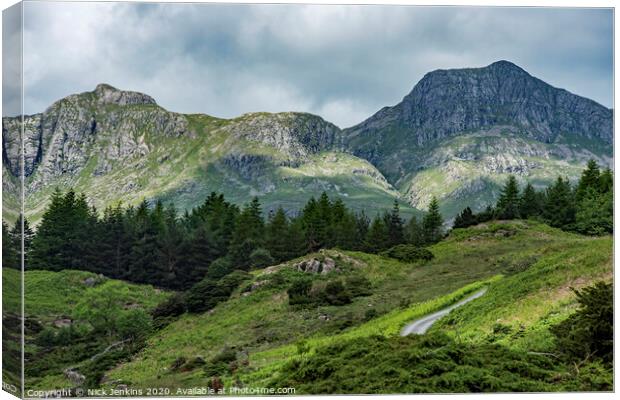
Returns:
point(343, 63)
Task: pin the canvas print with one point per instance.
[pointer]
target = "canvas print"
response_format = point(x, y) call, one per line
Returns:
point(288, 199)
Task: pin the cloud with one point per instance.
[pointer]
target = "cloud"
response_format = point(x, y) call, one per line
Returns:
point(341, 62)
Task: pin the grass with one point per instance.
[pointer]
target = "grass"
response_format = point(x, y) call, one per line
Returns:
point(264, 329)
point(51, 294)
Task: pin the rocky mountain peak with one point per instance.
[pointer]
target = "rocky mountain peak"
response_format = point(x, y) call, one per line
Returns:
point(107, 94)
point(448, 102)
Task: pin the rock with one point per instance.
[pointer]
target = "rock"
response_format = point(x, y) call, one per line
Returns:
point(257, 285)
point(90, 281)
point(62, 322)
point(324, 317)
point(74, 376)
point(316, 266)
point(328, 265)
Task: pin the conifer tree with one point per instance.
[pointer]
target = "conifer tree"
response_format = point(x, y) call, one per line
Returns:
point(248, 234)
point(589, 180)
point(413, 232)
point(508, 204)
point(277, 234)
point(432, 225)
point(465, 218)
point(530, 203)
point(377, 238)
point(559, 208)
point(606, 181)
point(10, 255)
point(395, 227)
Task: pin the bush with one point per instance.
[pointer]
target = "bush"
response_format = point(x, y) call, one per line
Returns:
point(261, 258)
point(588, 333)
point(134, 324)
point(370, 314)
point(221, 363)
point(358, 286)
point(172, 307)
point(299, 292)
point(207, 293)
point(219, 268)
point(336, 294)
point(46, 338)
point(408, 253)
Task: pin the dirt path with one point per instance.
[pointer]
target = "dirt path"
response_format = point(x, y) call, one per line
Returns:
point(422, 325)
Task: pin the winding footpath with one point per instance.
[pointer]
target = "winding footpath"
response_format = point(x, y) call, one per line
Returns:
point(422, 325)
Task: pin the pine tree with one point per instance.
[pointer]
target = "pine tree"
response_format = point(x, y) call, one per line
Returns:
point(362, 224)
point(589, 180)
point(432, 225)
point(530, 203)
point(413, 232)
point(559, 208)
point(10, 255)
point(114, 243)
point(248, 234)
point(606, 181)
point(277, 234)
point(464, 219)
point(395, 227)
point(508, 204)
point(377, 238)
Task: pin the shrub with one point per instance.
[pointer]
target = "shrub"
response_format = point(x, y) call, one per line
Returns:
point(219, 268)
point(47, 337)
point(336, 294)
point(299, 292)
point(168, 309)
point(261, 258)
point(134, 324)
point(408, 253)
point(370, 314)
point(221, 363)
point(358, 285)
point(207, 293)
point(588, 333)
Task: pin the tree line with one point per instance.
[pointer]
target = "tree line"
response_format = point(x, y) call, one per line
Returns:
point(586, 207)
point(154, 244)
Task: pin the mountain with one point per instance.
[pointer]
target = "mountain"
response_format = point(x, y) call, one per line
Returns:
point(118, 145)
point(457, 135)
point(459, 132)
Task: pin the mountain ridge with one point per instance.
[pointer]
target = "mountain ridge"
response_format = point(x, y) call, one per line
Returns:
point(455, 135)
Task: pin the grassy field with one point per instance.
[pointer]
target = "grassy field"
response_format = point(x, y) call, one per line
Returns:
point(521, 262)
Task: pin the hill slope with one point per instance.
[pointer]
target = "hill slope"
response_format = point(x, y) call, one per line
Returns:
point(266, 333)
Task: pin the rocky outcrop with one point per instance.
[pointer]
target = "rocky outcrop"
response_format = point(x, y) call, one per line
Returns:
point(448, 102)
point(317, 266)
point(295, 135)
point(107, 124)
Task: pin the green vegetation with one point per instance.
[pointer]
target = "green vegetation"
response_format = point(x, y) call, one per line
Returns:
point(586, 208)
point(72, 316)
point(154, 245)
point(270, 333)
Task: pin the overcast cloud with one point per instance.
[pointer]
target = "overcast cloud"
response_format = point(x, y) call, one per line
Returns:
point(341, 62)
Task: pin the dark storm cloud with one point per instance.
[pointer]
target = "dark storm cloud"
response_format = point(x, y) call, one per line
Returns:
point(342, 62)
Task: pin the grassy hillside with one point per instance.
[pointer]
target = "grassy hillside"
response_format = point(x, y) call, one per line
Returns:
point(265, 334)
point(52, 303)
point(500, 342)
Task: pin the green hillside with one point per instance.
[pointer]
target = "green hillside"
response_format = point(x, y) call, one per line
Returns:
point(54, 304)
point(265, 334)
